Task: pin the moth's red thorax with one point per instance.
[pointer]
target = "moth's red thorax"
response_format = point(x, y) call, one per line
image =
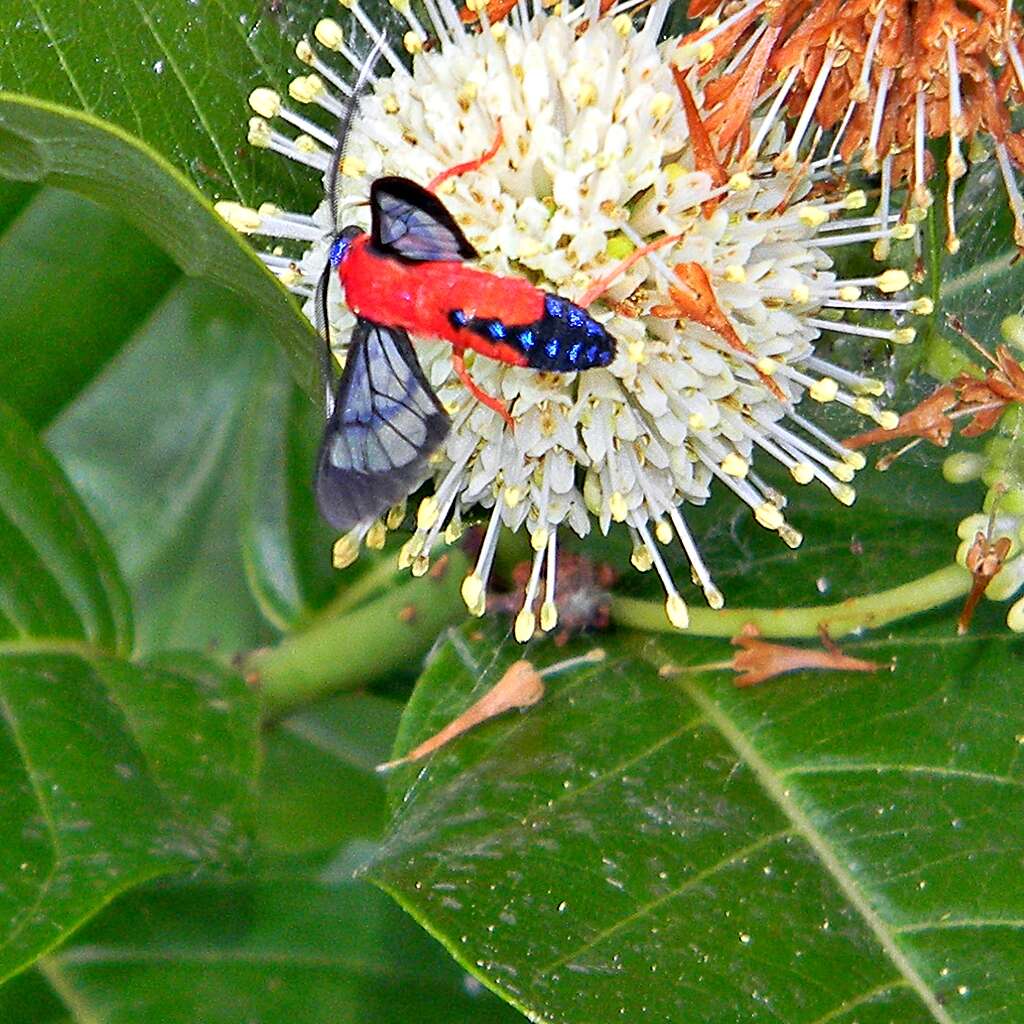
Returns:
point(420, 296)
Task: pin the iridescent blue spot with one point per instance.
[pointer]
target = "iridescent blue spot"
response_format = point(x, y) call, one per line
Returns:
point(554, 305)
point(339, 250)
point(575, 351)
point(576, 317)
point(594, 329)
point(593, 354)
point(526, 340)
point(551, 348)
point(458, 317)
point(496, 329)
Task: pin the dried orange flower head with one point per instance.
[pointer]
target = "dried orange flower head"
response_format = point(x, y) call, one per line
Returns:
point(883, 76)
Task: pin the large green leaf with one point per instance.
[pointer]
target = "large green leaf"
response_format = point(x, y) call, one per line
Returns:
point(841, 848)
point(293, 940)
point(112, 773)
point(177, 399)
point(55, 335)
point(58, 578)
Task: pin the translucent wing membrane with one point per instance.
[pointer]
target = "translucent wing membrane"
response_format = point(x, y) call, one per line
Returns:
point(411, 223)
point(385, 424)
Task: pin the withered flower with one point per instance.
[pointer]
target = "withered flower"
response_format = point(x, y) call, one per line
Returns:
point(884, 76)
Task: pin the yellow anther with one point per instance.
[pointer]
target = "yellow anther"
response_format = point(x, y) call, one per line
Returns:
point(289, 277)
point(844, 494)
point(923, 306)
point(306, 144)
point(855, 200)
point(696, 422)
point(345, 552)
point(849, 293)
point(735, 465)
point(499, 30)
point(467, 94)
point(854, 459)
point(918, 213)
point(865, 406)
point(740, 181)
point(548, 616)
point(887, 419)
point(453, 531)
point(304, 51)
point(426, 514)
point(824, 390)
point(708, 23)
point(241, 218)
point(618, 507)
point(376, 536)
point(305, 88)
point(259, 132)
point(768, 366)
point(636, 350)
point(539, 539)
point(904, 232)
point(412, 42)
point(802, 472)
point(528, 248)
point(842, 471)
point(812, 216)
point(735, 274)
point(892, 280)
point(352, 167)
point(641, 558)
point(420, 565)
point(661, 105)
point(526, 625)
point(714, 597)
point(790, 537)
point(400, 5)
point(512, 496)
point(663, 531)
point(265, 102)
point(705, 51)
point(903, 335)
point(673, 171)
point(587, 95)
point(675, 609)
point(390, 103)
point(800, 294)
point(329, 34)
point(395, 516)
point(472, 590)
point(768, 516)
point(623, 25)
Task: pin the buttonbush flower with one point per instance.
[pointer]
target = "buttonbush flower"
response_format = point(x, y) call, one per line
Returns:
point(884, 75)
point(717, 282)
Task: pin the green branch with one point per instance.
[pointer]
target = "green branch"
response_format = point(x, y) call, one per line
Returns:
point(844, 617)
point(343, 652)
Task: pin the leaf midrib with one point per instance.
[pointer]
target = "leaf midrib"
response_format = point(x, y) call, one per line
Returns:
point(774, 788)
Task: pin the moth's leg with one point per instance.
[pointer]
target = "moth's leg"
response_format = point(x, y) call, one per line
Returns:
point(459, 364)
point(602, 284)
point(469, 165)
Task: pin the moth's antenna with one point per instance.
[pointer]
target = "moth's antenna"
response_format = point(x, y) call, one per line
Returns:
point(345, 128)
point(328, 370)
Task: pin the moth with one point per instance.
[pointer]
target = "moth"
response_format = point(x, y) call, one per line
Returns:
point(411, 275)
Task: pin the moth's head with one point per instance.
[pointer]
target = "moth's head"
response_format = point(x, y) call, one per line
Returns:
point(340, 245)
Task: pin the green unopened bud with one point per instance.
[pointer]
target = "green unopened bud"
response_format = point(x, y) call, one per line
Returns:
point(963, 467)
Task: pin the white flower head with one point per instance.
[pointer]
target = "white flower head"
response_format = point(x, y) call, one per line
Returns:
point(716, 325)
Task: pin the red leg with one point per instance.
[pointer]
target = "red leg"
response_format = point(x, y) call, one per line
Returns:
point(602, 284)
point(458, 362)
point(469, 165)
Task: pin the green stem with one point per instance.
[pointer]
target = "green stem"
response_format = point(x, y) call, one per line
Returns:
point(335, 653)
point(848, 616)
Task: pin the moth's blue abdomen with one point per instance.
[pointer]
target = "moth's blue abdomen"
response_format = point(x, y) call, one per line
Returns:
point(564, 340)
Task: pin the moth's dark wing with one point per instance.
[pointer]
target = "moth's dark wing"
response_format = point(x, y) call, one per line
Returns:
point(385, 424)
point(411, 223)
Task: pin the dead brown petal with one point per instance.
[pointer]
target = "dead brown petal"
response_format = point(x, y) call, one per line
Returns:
point(759, 659)
point(984, 559)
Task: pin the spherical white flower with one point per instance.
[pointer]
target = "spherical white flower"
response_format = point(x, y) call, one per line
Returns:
point(716, 325)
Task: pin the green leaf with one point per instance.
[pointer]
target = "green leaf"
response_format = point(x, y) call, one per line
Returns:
point(293, 940)
point(112, 774)
point(57, 575)
point(285, 542)
point(827, 847)
point(177, 398)
point(58, 332)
